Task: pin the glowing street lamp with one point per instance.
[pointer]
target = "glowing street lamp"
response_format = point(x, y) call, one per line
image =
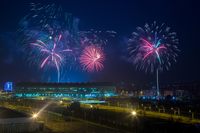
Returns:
point(134, 113)
point(134, 119)
point(35, 115)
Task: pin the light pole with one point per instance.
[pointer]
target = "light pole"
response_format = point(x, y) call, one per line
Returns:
point(34, 116)
point(192, 114)
point(134, 115)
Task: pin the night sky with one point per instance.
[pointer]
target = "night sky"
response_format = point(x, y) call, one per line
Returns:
point(122, 16)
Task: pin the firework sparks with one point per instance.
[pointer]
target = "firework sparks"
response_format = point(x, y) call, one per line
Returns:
point(92, 59)
point(45, 15)
point(96, 37)
point(150, 49)
point(51, 54)
point(153, 47)
point(48, 18)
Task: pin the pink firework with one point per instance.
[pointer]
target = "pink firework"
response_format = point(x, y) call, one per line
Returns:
point(51, 53)
point(151, 48)
point(92, 58)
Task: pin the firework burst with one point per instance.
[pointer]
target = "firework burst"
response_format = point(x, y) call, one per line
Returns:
point(49, 18)
point(92, 58)
point(153, 47)
point(92, 41)
point(50, 54)
point(47, 34)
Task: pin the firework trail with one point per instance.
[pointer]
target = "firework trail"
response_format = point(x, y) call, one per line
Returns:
point(92, 58)
point(50, 53)
point(153, 48)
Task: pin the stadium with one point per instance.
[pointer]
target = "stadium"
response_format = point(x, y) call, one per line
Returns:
point(64, 90)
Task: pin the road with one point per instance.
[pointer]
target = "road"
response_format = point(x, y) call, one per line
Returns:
point(55, 123)
point(165, 116)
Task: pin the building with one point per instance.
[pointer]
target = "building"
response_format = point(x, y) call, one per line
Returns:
point(62, 90)
point(182, 91)
point(168, 93)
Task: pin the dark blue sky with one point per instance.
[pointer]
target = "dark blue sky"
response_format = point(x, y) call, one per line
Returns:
point(122, 16)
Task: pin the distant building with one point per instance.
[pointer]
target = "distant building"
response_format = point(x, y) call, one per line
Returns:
point(182, 90)
point(175, 91)
point(168, 93)
point(69, 90)
point(147, 92)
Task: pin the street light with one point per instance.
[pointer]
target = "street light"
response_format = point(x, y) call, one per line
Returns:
point(61, 101)
point(35, 115)
point(134, 120)
point(134, 113)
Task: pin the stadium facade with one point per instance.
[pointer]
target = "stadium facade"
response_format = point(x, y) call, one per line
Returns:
point(62, 90)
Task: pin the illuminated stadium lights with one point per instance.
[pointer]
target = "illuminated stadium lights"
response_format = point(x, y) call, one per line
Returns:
point(91, 102)
point(65, 90)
